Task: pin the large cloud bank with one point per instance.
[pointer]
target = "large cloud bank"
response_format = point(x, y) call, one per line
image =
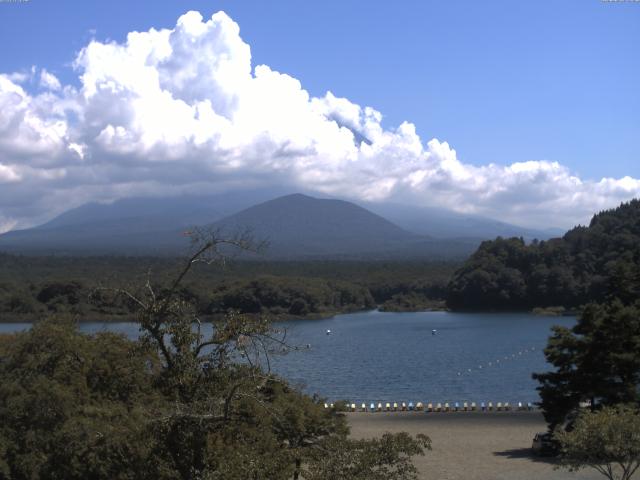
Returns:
point(183, 110)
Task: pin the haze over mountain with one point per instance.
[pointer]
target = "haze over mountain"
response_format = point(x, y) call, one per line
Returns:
point(440, 223)
point(295, 225)
point(129, 226)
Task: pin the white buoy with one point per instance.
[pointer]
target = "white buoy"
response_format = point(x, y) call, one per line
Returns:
point(434, 332)
point(328, 332)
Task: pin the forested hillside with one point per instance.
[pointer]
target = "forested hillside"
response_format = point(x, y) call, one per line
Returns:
point(588, 264)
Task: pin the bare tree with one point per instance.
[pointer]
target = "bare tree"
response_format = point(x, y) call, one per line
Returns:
point(217, 375)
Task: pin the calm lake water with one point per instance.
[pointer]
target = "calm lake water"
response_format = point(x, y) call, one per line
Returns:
point(385, 356)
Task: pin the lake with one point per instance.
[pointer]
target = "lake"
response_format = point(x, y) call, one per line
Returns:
point(394, 357)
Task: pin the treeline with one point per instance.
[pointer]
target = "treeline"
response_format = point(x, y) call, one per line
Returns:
point(588, 264)
point(288, 296)
point(32, 287)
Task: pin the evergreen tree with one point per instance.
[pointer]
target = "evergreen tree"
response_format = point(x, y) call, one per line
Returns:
point(596, 361)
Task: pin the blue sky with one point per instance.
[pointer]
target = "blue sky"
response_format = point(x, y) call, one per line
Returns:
point(501, 81)
point(522, 111)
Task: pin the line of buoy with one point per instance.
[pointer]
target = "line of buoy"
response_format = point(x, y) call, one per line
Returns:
point(497, 361)
point(437, 407)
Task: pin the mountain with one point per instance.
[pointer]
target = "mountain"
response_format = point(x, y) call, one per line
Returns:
point(134, 226)
point(298, 225)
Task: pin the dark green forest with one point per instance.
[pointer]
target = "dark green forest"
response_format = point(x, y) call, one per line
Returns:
point(588, 264)
point(32, 287)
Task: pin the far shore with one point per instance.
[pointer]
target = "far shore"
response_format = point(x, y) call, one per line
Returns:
point(471, 445)
point(277, 318)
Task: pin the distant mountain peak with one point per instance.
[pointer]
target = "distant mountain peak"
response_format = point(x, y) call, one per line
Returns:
point(293, 197)
point(301, 225)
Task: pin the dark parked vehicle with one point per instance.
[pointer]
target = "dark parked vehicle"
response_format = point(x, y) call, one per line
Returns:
point(545, 445)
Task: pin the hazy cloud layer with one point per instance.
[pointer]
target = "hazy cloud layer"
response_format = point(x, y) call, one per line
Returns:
point(183, 110)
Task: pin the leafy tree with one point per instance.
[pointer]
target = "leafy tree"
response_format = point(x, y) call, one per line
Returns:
point(73, 406)
point(598, 360)
point(186, 401)
point(385, 458)
point(607, 441)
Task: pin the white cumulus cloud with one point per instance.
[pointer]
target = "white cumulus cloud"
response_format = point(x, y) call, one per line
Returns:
point(49, 80)
point(171, 110)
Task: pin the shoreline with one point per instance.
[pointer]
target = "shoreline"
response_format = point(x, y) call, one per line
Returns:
point(30, 318)
point(275, 318)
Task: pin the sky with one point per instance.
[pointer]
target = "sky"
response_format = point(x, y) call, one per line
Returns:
point(522, 111)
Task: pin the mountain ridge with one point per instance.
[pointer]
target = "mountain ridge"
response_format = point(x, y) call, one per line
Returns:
point(154, 226)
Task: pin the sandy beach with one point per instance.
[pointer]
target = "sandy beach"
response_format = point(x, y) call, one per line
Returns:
point(471, 445)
